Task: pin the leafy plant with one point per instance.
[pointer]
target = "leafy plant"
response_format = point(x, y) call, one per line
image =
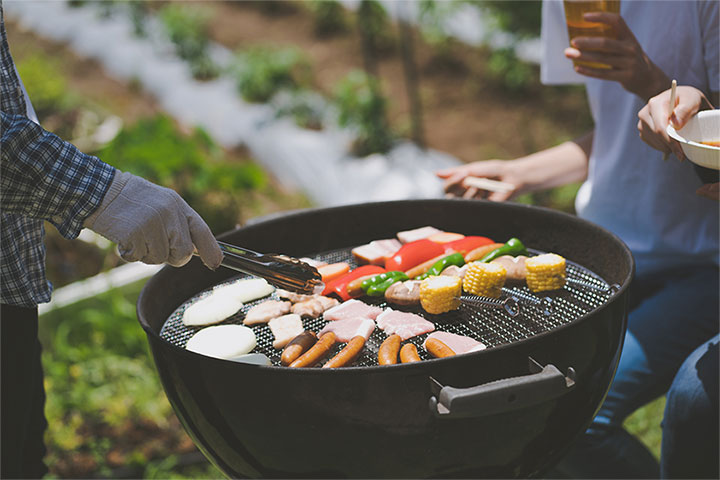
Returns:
point(190, 164)
point(509, 72)
point(306, 108)
point(521, 17)
point(432, 16)
point(374, 24)
point(261, 72)
point(362, 107)
point(329, 17)
point(188, 27)
point(45, 83)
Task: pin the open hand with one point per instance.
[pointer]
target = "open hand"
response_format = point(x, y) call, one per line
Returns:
point(628, 63)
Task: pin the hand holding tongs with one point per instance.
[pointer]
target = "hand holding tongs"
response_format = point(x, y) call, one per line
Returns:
point(279, 270)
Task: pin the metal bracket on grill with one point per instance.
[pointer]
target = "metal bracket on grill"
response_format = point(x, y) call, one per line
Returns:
point(541, 385)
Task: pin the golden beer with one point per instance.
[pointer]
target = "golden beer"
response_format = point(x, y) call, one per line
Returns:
point(579, 27)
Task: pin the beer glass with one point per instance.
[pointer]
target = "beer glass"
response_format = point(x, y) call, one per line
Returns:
point(579, 27)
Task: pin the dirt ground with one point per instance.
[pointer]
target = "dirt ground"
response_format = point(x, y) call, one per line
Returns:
point(465, 113)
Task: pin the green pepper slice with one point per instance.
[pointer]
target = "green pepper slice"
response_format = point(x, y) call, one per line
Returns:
point(378, 290)
point(381, 279)
point(512, 247)
point(456, 259)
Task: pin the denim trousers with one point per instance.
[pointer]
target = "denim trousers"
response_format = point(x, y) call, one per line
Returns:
point(672, 319)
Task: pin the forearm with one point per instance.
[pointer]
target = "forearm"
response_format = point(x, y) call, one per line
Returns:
point(556, 166)
point(44, 177)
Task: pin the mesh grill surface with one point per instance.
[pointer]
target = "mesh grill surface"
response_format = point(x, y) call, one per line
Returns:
point(491, 325)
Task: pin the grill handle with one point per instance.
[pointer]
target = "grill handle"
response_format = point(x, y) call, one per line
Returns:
point(509, 394)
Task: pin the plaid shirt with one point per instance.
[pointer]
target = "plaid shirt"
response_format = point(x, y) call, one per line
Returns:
point(41, 178)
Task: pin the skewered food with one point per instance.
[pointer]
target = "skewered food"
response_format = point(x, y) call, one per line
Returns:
point(297, 346)
point(405, 293)
point(348, 354)
point(514, 266)
point(545, 272)
point(265, 311)
point(285, 328)
point(222, 341)
point(405, 324)
point(440, 294)
point(453, 259)
point(389, 349)
point(485, 279)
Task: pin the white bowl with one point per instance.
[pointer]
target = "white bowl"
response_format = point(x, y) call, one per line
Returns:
point(703, 127)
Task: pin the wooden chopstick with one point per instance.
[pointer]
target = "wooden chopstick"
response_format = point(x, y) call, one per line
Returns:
point(488, 184)
point(672, 107)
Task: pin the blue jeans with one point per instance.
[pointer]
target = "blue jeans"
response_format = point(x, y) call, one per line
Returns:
point(671, 314)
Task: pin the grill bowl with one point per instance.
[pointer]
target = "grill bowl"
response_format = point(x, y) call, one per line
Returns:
point(258, 421)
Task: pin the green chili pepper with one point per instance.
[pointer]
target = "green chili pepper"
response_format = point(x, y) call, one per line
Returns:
point(437, 268)
point(378, 290)
point(375, 286)
point(512, 247)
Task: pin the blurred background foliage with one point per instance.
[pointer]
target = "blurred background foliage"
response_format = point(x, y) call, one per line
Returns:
point(107, 411)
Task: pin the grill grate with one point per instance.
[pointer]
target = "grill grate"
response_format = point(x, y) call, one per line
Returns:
point(492, 326)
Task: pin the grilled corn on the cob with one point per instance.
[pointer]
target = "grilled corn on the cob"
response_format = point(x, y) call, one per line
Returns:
point(545, 272)
point(486, 279)
point(440, 294)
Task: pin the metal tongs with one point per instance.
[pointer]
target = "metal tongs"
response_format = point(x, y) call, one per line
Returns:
point(279, 270)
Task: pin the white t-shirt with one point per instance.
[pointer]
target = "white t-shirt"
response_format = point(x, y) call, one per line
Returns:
point(650, 204)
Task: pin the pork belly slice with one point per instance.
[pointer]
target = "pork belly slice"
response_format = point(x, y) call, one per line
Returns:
point(292, 296)
point(352, 309)
point(405, 324)
point(346, 329)
point(314, 307)
point(266, 311)
point(416, 234)
point(285, 328)
point(457, 343)
point(376, 252)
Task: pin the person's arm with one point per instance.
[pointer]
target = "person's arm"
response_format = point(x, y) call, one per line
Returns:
point(44, 177)
point(553, 167)
point(631, 66)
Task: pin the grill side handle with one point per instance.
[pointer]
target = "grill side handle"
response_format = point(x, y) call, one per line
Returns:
point(508, 394)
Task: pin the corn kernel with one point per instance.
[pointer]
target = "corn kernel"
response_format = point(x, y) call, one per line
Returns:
point(440, 294)
point(486, 279)
point(545, 272)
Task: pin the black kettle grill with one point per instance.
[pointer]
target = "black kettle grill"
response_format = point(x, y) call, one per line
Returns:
point(508, 411)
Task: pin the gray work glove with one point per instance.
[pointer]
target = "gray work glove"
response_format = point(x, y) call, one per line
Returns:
point(152, 224)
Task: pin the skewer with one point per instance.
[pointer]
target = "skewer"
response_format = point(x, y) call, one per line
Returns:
point(488, 184)
point(510, 305)
point(544, 304)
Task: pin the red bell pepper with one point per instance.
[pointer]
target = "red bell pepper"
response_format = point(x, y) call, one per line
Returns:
point(414, 253)
point(339, 285)
point(466, 244)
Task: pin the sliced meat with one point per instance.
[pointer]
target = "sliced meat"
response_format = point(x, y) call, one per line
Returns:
point(346, 329)
point(404, 293)
point(457, 343)
point(265, 311)
point(312, 262)
point(292, 296)
point(416, 234)
point(352, 309)
point(514, 266)
point(376, 252)
point(405, 324)
point(327, 302)
point(309, 308)
point(285, 328)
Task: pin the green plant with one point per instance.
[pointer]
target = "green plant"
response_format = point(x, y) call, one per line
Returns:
point(521, 17)
point(45, 83)
point(329, 17)
point(188, 27)
point(191, 164)
point(362, 107)
point(432, 16)
point(374, 23)
point(261, 72)
point(509, 72)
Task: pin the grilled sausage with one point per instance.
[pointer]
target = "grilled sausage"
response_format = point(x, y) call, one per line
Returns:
point(425, 266)
point(438, 349)
point(388, 352)
point(297, 347)
point(348, 354)
point(480, 252)
point(409, 353)
point(316, 352)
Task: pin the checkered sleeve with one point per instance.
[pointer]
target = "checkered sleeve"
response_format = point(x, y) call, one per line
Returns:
point(44, 177)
